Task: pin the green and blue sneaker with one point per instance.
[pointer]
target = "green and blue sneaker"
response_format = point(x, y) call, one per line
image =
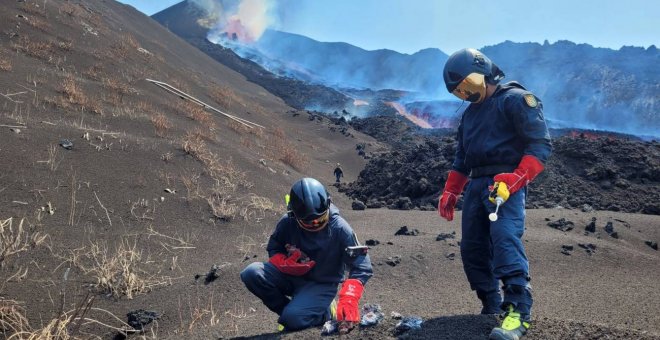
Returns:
point(513, 327)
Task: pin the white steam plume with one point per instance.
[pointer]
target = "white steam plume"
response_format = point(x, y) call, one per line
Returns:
point(243, 20)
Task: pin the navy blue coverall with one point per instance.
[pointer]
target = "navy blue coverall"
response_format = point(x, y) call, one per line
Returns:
point(303, 301)
point(493, 136)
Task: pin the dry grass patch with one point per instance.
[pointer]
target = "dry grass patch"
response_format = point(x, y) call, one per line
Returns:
point(196, 113)
point(15, 239)
point(222, 207)
point(256, 207)
point(39, 24)
point(43, 50)
point(74, 95)
point(94, 72)
point(118, 90)
point(116, 272)
point(161, 124)
point(5, 64)
point(126, 45)
point(33, 7)
point(225, 96)
point(286, 152)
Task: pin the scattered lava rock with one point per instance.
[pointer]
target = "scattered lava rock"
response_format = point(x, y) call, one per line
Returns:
point(372, 242)
point(609, 229)
point(393, 260)
point(445, 236)
point(653, 245)
point(562, 224)
point(140, 318)
point(587, 208)
point(407, 232)
point(590, 248)
point(566, 249)
point(591, 227)
point(450, 256)
point(358, 205)
point(213, 274)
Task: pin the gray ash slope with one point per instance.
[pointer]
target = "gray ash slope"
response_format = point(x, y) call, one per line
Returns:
point(606, 172)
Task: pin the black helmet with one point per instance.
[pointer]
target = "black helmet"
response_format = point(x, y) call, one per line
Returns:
point(309, 203)
point(465, 62)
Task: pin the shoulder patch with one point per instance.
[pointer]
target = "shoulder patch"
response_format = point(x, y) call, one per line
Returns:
point(530, 100)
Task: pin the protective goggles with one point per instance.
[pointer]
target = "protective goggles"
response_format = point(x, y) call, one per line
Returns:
point(314, 223)
point(472, 88)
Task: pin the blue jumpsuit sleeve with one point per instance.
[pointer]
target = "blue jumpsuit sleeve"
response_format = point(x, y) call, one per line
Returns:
point(530, 126)
point(276, 244)
point(359, 266)
point(459, 160)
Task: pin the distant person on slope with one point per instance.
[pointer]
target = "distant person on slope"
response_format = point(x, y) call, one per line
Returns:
point(339, 173)
point(309, 254)
point(502, 138)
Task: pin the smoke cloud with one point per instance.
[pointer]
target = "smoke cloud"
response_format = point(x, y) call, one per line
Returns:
point(242, 20)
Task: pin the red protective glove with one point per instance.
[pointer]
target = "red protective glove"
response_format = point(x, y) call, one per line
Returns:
point(289, 265)
point(453, 187)
point(349, 297)
point(526, 171)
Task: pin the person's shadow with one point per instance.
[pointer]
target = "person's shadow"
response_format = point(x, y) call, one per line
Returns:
point(454, 327)
point(441, 328)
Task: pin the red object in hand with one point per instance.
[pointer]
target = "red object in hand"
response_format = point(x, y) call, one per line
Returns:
point(290, 265)
point(349, 297)
point(453, 187)
point(526, 171)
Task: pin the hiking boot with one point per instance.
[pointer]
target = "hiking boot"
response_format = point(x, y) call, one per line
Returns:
point(513, 327)
point(280, 327)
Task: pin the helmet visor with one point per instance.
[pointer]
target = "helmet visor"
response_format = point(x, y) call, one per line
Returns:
point(314, 223)
point(472, 88)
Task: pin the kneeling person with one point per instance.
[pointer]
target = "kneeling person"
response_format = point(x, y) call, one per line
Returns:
point(309, 254)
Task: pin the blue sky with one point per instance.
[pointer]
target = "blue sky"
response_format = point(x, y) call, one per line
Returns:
point(410, 25)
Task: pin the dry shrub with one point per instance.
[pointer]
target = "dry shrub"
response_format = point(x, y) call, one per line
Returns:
point(32, 7)
point(16, 239)
point(38, 49)
point(39, 24)
point(94, 72)
point(191, 182)
point(115, 272)
point(144, 107)
point(126, 45)
point(222, 207)
point(225, 96)
point(256, 207)
point(5, 64)
point(193, 144)
point(70, 9)
point(118, 90)
point(73, 94)
point(286, 152)
point(65, 45)
point(238, 127)
point(196, 113)
point(12, 318)
point(161, 124)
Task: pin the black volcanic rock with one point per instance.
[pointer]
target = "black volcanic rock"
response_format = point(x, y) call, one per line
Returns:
point(418, 165)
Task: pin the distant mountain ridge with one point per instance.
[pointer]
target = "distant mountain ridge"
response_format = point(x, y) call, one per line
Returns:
point(344, 65)
point(581, 86)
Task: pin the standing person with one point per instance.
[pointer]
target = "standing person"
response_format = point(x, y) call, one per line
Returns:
point(502, 138)
point(310, 250)
point(338, 173)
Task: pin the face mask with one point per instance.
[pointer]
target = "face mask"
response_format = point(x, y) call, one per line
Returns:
point(472, 88)
point(315, 224)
